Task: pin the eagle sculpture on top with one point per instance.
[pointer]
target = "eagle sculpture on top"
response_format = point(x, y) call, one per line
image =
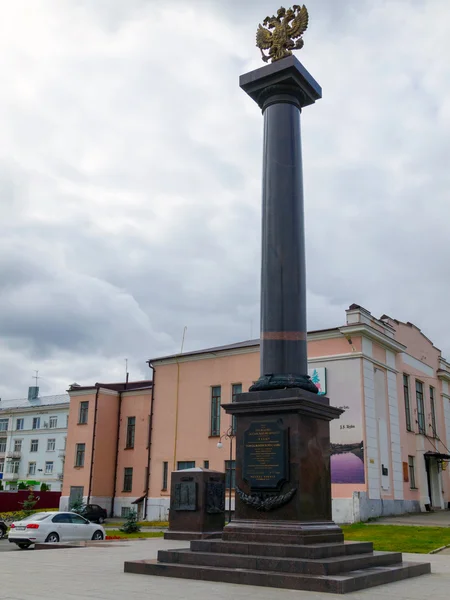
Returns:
point(282, 34)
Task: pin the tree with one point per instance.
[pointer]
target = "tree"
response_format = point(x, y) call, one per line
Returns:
point(131, 524)
point(29, 504)
point(77, 506)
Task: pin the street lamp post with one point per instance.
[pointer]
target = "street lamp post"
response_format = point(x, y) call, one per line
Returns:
point(228, 435)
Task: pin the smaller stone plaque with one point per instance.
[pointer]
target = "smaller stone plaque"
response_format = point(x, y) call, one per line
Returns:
point(215, 497)
point(185, 496)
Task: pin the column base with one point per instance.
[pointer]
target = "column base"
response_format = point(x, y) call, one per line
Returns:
point(283, 381)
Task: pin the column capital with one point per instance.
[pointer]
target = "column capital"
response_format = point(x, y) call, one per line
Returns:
point(285, 80)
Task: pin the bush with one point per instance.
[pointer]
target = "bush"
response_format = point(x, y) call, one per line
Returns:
point(45, 487)
point(131, 524)
point(18, 515)
point(22, 486)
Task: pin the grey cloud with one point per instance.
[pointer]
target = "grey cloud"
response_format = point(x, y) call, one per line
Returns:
point(130, 168)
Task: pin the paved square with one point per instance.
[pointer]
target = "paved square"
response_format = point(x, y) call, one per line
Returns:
point(97, 574)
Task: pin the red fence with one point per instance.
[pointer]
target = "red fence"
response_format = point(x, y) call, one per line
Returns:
point(10, 501)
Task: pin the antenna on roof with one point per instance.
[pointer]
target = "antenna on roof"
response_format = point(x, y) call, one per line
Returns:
point(36, 376)
point(126, 373)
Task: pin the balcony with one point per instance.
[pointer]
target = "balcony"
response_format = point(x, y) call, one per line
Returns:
point(14, 454)
point(10, 476)
point(62, 453)
point(60, 476)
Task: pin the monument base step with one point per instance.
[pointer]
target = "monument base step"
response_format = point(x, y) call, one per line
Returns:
point(192, 535)
point(339, 584)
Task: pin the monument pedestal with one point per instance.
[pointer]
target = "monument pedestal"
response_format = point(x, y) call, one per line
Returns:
point(282, 536)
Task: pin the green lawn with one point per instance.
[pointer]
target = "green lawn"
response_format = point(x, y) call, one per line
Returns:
point(399, 538)
point(160, 524)
point(131, 536)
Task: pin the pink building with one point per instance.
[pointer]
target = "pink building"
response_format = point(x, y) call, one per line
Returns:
point(389, 448)
point(108, 449)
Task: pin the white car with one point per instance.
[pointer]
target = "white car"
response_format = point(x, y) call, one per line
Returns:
point(53, 527)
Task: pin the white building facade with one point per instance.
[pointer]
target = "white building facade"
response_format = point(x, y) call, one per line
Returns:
point(33, 433)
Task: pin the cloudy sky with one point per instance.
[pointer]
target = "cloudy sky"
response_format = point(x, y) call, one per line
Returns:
point(130, 168)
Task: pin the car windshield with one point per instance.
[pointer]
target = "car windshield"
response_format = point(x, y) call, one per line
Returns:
point(37, 517)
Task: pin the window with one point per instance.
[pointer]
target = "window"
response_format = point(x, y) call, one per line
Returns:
point(83, 416)
point(215, 410)
point(407, 403)
point(2, 444)
point(185, 464)
point(420, 407)
point(131, 426)
point(125, 511)
point(77, 519)
point(206, 464)
point(13, 466)
point(433, 412)
point(127, 479)
point(53, 422)
point(236, 389)
point(32, 468)
point(61, 518)
point(48, 468)
point(4, 424)
point(2, 465)
point(19, 424)
point(17, 445)
point(36, 422)
point(165, 475)
point(51, 442)
point(412, 475)
point(79, 455)
point(230, 470)
point(34, 445)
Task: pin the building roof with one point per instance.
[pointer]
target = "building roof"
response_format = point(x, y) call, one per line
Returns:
point(130, 386)
point(39, 402)
point(235, 346)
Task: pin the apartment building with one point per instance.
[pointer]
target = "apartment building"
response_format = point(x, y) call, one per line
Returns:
point(33, 434)
point(108, 446)
point(389, 449)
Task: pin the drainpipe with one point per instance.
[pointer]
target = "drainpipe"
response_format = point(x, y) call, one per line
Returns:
point(117, 451)
point(150, 430)
point(93, 445)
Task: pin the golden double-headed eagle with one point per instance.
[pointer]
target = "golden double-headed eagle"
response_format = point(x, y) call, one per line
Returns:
point(282, 34)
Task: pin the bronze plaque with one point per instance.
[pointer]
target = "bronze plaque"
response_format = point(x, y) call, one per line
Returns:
point(215, 497)
point(266, 460)
point(185, 497)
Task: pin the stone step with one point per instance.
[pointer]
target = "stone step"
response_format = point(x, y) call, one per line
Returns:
point(338, 584)
point(282, 550)
point(282, 537)
point(328, 566)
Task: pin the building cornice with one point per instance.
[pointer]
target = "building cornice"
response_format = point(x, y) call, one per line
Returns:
point(351, 356)
point(445, 375)
point(33, 409)
point(91, 391)
point(374, 335)
point(204, 356)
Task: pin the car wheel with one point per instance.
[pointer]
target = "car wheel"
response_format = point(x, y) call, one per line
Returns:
point(52, 538)
point(24, 546)
point(98, 535)
point(100, 520)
